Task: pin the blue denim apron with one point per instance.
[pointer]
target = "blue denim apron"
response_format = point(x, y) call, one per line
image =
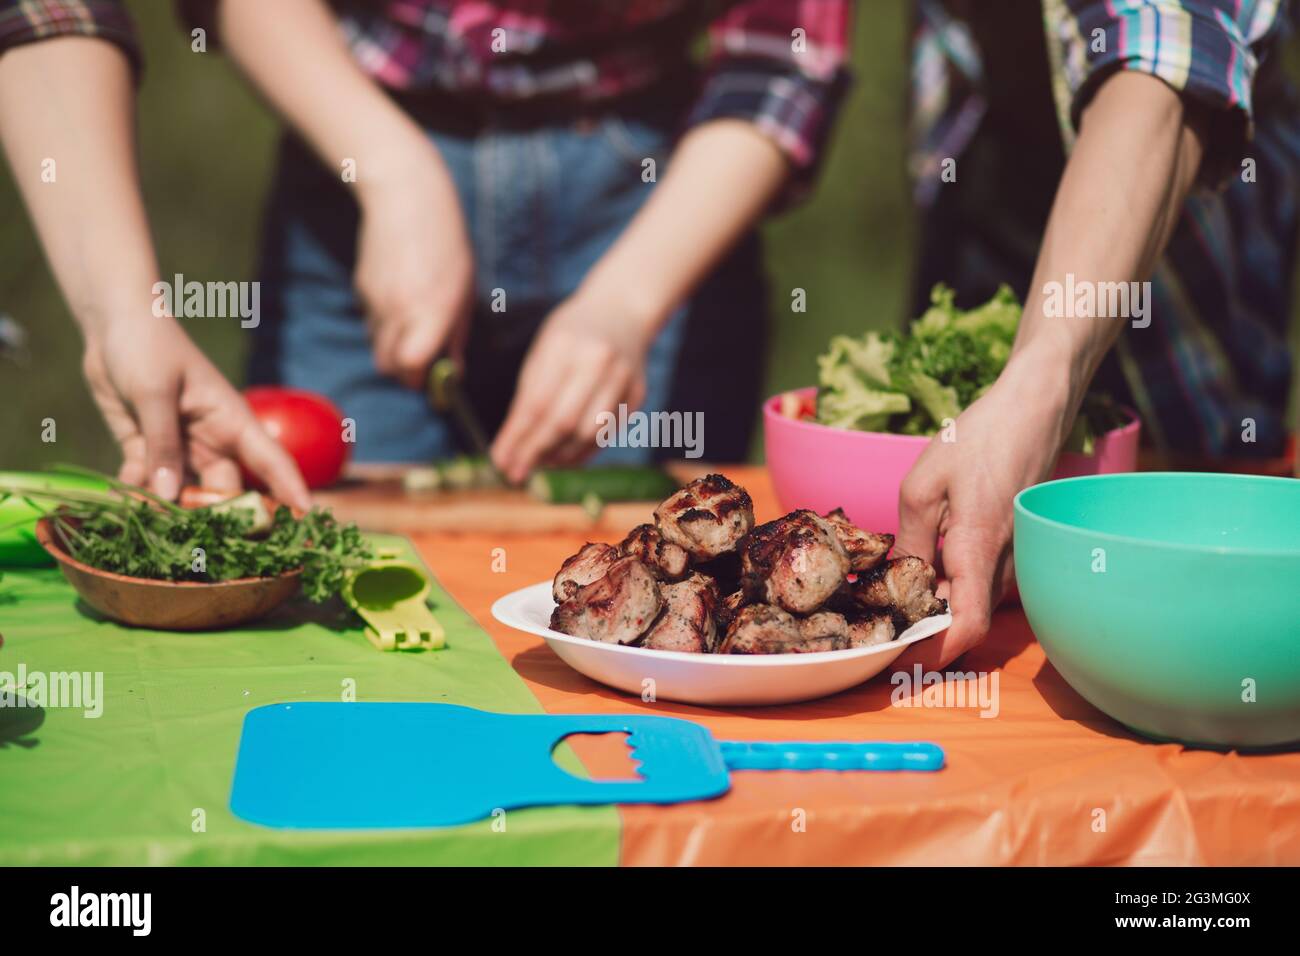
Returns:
point(543, 201)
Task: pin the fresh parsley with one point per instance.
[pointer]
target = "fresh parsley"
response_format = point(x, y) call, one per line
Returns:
point(130, 531)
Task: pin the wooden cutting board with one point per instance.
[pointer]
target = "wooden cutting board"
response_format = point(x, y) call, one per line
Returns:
point(373, 498)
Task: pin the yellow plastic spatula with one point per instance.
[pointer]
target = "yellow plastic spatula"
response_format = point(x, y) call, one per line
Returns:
point(390, 594)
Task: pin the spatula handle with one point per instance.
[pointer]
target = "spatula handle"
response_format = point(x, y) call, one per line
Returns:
point(782, 755)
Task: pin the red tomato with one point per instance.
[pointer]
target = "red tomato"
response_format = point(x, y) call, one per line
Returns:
point(797, 406)
point(308, 426)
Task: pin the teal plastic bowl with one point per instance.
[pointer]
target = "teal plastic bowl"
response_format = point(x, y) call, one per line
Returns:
point(1170, 601)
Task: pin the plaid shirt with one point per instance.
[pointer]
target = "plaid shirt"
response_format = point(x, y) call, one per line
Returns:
point(1215, 357)
point(26, 21)
point(781, 64)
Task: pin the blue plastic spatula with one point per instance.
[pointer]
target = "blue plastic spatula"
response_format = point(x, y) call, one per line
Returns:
point(355, 766)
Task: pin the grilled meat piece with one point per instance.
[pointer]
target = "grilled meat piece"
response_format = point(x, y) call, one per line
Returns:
point(766, 629)
point(707, 517)
point(616, 609)
point(869, 628)
point(687, 622)
point(795, 562)
point(823, 631)
point(725, 569)
point(667, 561)
point(903, 586)
point(591, 563)
point(801, 584)
point(728, 608)
point(864, 548)
point(760, 629)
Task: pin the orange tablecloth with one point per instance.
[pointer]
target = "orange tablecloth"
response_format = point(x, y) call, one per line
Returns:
point(1047, 780)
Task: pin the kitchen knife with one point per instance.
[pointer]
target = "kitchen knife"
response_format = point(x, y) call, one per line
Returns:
point(447, 396)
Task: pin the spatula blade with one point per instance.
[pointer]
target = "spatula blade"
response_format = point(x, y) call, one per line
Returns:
point(403, 765)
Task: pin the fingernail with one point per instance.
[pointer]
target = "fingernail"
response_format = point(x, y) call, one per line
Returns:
point(166, 483)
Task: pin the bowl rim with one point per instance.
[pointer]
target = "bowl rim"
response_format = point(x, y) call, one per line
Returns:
point(715, 660)
point(771, 412)
point(1021, 510)
point(45, 536)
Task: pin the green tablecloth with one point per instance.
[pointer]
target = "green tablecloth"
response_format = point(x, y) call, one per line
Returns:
point(133, 785)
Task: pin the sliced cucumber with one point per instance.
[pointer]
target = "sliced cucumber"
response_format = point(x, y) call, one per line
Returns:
point(461, 473)
point(251, 502)
point(593, 504)
point(571, 486)
point(427, 478)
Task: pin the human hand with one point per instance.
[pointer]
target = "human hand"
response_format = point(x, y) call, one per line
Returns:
point(173, 412)
point(962, 489)
point(588, 357)
point(415, 268)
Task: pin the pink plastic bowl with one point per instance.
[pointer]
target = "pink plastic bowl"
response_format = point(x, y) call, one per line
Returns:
point(819, 467)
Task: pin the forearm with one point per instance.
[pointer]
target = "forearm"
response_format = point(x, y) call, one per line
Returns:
point(722, 176)
point(1135, 161)
point(293, 53)
point(72, 151)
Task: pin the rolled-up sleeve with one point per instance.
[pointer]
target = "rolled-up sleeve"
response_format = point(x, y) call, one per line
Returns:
point(781, 65)
point(1207, 50)
point(30, 21)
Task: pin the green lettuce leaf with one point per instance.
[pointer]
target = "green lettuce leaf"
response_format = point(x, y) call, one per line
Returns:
point(909, 384)
point(860, 408)
point(869, 356)
point(940, 401)
point(912, 383)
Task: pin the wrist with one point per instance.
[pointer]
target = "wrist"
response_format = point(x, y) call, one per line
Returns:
point(634, 303)
point(401, 166)
point(1044, 382)
point(120, 313)
point(1062, 353)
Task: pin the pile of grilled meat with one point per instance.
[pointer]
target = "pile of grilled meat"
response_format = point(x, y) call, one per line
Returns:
point(703, 580)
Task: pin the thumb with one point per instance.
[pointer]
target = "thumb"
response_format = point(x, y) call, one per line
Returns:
point(975, 564)
point(921, 500)
point(970, 599)
point(159, 418)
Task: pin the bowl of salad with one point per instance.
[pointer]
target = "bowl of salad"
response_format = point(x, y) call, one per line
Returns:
point(849, 441)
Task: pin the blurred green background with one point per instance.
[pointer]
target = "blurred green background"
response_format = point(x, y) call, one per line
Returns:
point(205, 150)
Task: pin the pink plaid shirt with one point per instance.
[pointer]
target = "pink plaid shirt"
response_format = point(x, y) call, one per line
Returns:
point(777, 63)
point(780, 64)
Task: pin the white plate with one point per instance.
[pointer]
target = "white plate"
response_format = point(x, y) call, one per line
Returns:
point(711, 679)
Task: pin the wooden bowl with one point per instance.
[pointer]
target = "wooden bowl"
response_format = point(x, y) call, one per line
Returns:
point(169, 605)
